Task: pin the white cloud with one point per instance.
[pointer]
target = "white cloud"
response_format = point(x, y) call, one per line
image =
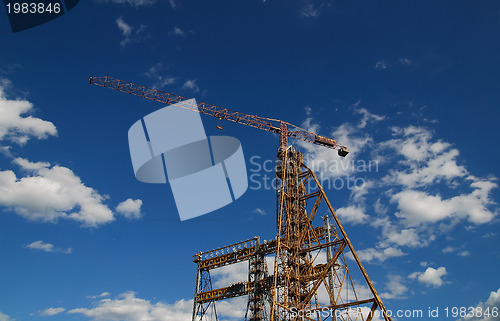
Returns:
point(309, 11)
point(47, 247)
point(18, 127)
point(396, 288)
point(52, 311)
point(370, 255)
point(260, 211)
point(367, 117)
point(5, 85)
point(130, 209)
point(179, 32)
point(448, 249)
point(324, 161)
point(431, 276)
point(173, 4)
point(128, 307)
point(381, 65)
point(405, 61)
point(53, 193)
point(4, 317)
point(160, 80)
point(191, 85)
point(124, 27)
point(102, 295)
point(492, 304)
point(417, 207)
point(425, 162)
point(463, 253)
point(30, 166)
point(129, 35)
point(353, 214)
point(410, 237)
point(451, 249)
point(229, 274)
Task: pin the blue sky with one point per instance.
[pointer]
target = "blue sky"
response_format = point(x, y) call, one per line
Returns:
point(410, 87)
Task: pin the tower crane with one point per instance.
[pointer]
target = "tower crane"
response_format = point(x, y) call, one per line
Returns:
point(298, 274)
point(272, 125)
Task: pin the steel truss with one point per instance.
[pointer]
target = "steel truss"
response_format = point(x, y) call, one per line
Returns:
point(311, 279)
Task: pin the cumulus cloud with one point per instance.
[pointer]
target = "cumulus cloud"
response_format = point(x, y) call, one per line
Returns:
point(16, 125)
point(325, 161)
point(47, 247)
point(418, 207)
point(396, 289)
point(379, 254)
point(50, 194)
point(431, 277)
point(229, 274)
point(491, 304)
point(130, 209)
point(128, 307)
point(425, 162)
point(353, 214)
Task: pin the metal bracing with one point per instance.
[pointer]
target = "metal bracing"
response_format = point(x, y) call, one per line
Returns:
point(312, 279)
point(203, 309)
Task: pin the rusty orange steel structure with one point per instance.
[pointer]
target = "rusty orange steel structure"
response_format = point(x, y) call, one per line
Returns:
point(310, 279)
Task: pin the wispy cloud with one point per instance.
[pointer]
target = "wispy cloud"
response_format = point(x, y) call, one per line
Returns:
point(177, 31)
point(309, 11)
point(157, 73)
point(384, 64)
point(130, 34)
point(381, 65)
point(47, 247)
point(312, 9)
point(259, 211)
point(191, 85)
point(51, 311)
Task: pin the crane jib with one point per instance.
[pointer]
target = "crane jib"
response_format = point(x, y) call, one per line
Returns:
point(270, 125)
